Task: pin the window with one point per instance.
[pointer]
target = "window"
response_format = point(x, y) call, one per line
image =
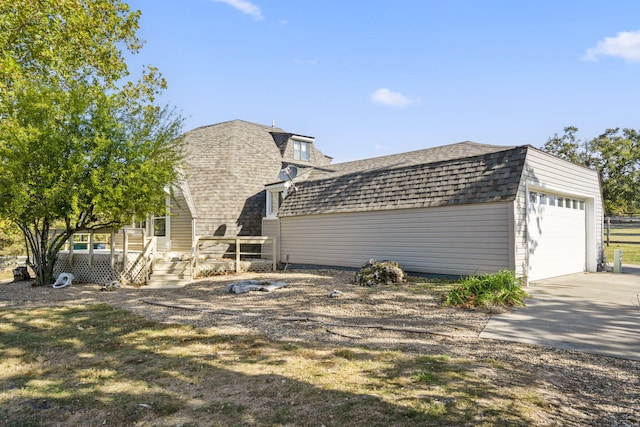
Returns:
point(552, 200)
point(533, 197)
point(274, 200)
point(581, 205)
point(560, 202)
point(300, 150)
point(543, 199)
point(160, 226)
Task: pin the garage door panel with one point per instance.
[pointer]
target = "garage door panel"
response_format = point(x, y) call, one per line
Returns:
point(557, 240)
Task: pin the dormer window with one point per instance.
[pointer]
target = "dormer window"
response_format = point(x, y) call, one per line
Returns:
point(300, 150)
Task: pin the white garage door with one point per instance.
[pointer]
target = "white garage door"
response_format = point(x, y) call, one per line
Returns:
point(557, 236)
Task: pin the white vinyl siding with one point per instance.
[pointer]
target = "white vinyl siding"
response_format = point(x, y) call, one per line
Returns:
point(462, 239)
point(546, 173)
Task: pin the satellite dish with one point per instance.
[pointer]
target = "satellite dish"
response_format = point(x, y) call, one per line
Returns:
point(288, 173)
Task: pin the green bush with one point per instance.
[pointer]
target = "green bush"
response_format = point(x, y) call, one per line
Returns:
point(501, 288)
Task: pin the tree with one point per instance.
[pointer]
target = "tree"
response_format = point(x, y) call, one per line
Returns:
point(615, 154)
point(81, 147)
point(10, 241)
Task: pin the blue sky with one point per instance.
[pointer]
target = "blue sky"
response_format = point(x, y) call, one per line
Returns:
point(369, 78)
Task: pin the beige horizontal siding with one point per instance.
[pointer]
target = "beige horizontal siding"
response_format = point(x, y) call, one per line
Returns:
point(271, 228)
point(447, 240)
point(181, 224)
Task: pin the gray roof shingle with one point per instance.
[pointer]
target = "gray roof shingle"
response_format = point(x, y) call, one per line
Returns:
point(449, 175)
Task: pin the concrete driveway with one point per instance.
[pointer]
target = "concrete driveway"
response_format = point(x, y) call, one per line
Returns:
point(595, 313)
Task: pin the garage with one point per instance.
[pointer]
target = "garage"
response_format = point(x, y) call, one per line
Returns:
point(556, 235)
point(460, 209)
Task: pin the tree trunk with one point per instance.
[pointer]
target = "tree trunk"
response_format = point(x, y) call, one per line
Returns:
point(44, 251)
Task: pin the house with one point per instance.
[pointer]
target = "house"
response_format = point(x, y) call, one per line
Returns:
point(458, 209)
point(227, 167)
point(220, 197)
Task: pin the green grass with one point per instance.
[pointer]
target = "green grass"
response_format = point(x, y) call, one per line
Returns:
point(65, 366)
point(630, 252)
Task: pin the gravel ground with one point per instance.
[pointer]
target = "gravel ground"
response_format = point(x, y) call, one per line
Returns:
point(581, 389)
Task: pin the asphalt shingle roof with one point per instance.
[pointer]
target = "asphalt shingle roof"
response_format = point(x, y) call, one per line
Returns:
point(449, 175)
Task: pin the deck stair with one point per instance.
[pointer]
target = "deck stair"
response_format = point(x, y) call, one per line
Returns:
point(169, 272)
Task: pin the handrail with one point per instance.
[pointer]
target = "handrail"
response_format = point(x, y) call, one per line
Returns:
point(147, 253)
point(194, 253)
point(237, 240)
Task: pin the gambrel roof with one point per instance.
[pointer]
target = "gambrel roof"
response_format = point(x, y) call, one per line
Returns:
point(461, 173)
point(227, 166)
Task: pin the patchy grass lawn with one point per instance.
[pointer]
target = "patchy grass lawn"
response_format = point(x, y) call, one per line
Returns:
point(99, 365)
point(630, 252)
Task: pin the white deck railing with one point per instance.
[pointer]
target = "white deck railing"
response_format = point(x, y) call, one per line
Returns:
point(237, 242)
point(125, 255)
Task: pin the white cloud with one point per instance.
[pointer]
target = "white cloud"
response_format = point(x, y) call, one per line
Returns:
point(625, 45)
point(245, 7)
point(384, 96)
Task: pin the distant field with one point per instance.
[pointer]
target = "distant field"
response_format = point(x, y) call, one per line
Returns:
point(630, 251)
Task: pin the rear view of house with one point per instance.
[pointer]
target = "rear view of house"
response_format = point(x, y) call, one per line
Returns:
point(221, 197)
point(458, 209)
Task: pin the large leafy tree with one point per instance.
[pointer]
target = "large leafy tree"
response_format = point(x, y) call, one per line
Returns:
point(615, 154)
point(82, 146)
point(11, 242)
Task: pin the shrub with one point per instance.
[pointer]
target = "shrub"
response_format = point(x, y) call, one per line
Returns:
point(380, 273)
point(501, 288)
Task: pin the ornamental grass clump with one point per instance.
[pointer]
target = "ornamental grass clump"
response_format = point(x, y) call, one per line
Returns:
point(380, 273)
point(501, 288)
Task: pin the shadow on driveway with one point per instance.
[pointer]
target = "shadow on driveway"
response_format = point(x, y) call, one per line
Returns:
point(595, 313)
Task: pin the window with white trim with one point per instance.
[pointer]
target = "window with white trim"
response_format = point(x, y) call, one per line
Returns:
point(275, 194)
point(300, 150)
point(274, 199)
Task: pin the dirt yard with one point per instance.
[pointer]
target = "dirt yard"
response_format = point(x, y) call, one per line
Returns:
point(323, 306)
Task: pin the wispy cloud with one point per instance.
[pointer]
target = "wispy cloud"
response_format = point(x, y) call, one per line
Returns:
point(245, 7)
point(625, 45)
point(384, 96)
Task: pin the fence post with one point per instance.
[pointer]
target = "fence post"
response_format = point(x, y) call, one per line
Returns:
point(71, 244)
point(608, 230)
point(91, 249)
point(113, 249)
point(273, 243)
point(237, 255)
point(125, 250)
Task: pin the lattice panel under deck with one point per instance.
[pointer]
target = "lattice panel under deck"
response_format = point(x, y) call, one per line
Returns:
point(99, 270)
point(218, 267)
